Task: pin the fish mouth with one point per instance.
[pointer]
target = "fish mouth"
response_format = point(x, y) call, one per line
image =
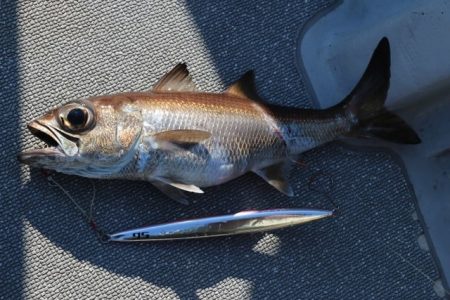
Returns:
point(60, 144)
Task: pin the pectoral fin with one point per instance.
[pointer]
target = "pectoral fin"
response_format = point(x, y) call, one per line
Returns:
point(181, 136)
point(176, 139)
point(277, 176)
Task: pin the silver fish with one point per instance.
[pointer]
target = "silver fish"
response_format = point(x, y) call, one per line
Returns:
point(180, 139)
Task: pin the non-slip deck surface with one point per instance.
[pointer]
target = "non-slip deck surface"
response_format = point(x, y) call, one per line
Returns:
point(53, 52)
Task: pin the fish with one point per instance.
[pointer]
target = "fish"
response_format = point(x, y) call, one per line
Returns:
point(183, 140)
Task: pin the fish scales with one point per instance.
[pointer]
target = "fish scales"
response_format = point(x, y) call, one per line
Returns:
point(241, 138)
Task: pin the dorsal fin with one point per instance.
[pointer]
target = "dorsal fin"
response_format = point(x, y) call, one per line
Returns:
point(176, 80)
point(245, 87)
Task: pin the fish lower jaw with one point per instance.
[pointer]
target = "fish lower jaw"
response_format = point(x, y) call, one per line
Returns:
point(32, 155)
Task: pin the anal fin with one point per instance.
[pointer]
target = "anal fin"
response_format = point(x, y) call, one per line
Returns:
point(277, 176)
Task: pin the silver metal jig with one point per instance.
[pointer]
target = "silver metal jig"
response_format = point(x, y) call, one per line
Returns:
point(239, 223)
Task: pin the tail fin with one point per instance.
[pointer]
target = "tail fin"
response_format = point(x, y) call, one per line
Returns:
point(365, 104)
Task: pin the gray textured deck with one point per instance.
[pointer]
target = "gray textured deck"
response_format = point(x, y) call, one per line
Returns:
point(53, 53)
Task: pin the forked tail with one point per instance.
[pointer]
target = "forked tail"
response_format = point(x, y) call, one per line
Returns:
point(365, 104)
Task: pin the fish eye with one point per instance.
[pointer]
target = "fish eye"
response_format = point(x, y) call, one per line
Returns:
point(76, 118)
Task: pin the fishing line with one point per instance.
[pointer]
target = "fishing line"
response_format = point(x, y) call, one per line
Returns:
point(316, 177)
point(91, 209)
point(326, 192)
point(420, 271)
point(101, 235)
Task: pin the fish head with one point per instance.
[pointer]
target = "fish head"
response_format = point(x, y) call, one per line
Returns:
point(92, 138)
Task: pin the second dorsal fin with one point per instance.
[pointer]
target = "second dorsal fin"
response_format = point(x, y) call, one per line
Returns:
point(244, 87)
point(176, 80)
